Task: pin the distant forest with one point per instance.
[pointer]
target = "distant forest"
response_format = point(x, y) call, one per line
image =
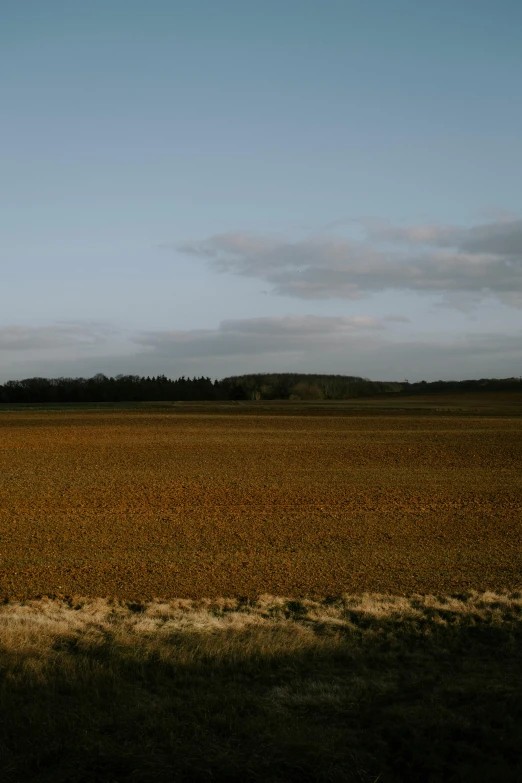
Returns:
point(275, 386)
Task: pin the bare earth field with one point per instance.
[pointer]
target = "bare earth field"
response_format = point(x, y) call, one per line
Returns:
point(402, 496)
point(277, 539)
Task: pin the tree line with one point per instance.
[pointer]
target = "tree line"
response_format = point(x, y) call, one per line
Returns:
point(482, 385)
point(273, 386)
point(130, 388)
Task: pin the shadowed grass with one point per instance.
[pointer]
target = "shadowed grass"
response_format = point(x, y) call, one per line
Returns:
point(356, 688)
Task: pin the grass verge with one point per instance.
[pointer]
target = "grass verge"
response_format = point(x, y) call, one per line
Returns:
point(357, 688)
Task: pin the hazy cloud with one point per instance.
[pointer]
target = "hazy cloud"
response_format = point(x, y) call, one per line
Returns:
point(484, 259)
point(245, 337)
point(400, 319)
point(354, 346)
point(61, 335)
point(337, 345)
point(501, 238)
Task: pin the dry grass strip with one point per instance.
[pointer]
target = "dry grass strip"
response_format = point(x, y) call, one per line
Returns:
point(357, 688)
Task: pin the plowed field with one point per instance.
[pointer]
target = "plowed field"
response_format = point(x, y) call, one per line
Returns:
point(145, 503)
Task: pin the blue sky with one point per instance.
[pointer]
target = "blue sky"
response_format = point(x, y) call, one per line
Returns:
point(223, 187)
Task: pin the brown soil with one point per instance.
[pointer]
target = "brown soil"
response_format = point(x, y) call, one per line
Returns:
point(138, 504)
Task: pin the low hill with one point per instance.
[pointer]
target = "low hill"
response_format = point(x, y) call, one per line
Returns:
point(304, 386)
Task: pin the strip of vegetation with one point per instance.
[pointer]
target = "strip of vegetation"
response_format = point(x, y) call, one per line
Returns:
point(264, 386)
point(350, 689)
point(128, 388)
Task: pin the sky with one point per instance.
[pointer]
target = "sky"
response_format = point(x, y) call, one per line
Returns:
point(217, 188)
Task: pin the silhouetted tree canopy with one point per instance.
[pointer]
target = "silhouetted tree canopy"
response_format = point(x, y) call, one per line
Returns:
point(268, 386)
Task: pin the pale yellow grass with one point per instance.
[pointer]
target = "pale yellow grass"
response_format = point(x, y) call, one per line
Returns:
point(355, 688)
point(34, 626)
